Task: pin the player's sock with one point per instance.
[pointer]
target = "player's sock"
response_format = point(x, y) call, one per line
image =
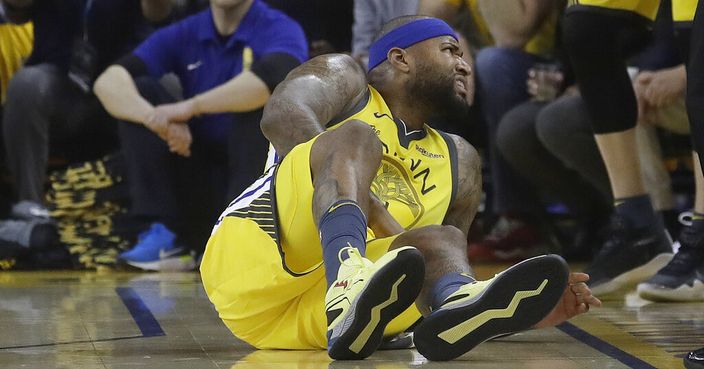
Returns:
point(446, 286)
point(342, 225)
point(638, 210)
point(698, 223)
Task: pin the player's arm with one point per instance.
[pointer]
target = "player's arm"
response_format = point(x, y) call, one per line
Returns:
point(310, 96)
point(380, 220)
point(116, 90)
point(248, 90)
point(18, 11)
point(464, 206)
point(513, 23)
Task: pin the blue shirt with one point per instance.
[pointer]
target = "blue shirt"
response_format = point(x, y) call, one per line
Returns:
point(202, 59)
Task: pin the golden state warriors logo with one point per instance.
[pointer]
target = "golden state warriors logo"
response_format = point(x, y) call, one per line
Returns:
point(393, 187)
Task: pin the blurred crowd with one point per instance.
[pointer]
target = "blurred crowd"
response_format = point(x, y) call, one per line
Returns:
point(128, 125)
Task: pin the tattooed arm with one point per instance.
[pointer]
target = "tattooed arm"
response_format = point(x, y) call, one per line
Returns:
point(464, 206)
point(310, 96)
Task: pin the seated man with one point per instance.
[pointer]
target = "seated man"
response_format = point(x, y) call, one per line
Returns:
point(359, 157)
point(228, 59)
point(47, 103)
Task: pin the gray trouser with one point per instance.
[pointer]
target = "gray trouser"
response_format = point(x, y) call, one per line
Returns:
point(42, 102)
point(553, 147)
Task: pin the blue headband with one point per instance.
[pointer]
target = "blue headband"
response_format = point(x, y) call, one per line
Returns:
point(407, 35)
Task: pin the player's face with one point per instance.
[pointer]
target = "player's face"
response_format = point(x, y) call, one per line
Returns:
point(442, 77)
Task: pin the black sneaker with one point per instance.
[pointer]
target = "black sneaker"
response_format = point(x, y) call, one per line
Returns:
point(695, 359)
point(682, 279)
point(629, 256)
point(514, 300)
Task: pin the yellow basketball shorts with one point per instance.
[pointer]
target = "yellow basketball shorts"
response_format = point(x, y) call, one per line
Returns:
point(271, 294)
point(682, 10)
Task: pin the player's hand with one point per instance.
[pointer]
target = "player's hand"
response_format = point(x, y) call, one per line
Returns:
point(380, 220)
point(157, 123)
point(666, 86)
point(647, 113)
point(179, 112)
point(543, 84)
point(179, 139)
point(576, 299)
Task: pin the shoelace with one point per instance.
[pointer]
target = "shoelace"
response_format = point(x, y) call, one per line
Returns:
point(691, 250)
point(354, 260)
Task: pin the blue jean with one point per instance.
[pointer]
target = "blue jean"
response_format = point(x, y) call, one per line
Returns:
point(502, 75)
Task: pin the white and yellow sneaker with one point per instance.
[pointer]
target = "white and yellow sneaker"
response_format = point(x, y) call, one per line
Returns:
point(514, 300)
point(366, 296)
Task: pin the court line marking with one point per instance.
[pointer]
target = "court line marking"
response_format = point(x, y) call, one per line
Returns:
point(603, 346)
point(142, 316)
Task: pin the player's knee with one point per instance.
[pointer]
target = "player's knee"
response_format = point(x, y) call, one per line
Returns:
point(441, 236)
point(580, 36)
point(31, 85)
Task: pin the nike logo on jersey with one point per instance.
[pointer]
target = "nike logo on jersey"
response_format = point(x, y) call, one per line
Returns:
point(194, 66)
point(342, 284)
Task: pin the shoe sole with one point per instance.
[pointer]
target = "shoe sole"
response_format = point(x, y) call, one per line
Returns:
point(683, 293)
point(633, 276)
point(175, 264)
point(514, 301)
point(390, 291)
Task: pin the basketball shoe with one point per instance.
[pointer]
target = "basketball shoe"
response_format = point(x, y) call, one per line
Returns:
point(695, 359)
point(682, 279)
point(510, 240)
point(366, 296)
point(514, 300)
point(156, 249)
point(629, 256)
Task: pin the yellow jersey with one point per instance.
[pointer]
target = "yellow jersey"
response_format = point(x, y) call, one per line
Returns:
point(683, 10)
point(15, 47)
point(417, 177)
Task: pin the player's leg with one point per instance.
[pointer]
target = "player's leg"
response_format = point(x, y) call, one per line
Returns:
point(683, 278)
point(268, 243)
point(362, 297)
point(598, 41)
point(462, 312)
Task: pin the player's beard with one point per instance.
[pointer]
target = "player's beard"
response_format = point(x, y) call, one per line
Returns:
point(438, 93)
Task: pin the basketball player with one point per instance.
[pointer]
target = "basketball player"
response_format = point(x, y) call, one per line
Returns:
point(368, 212)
